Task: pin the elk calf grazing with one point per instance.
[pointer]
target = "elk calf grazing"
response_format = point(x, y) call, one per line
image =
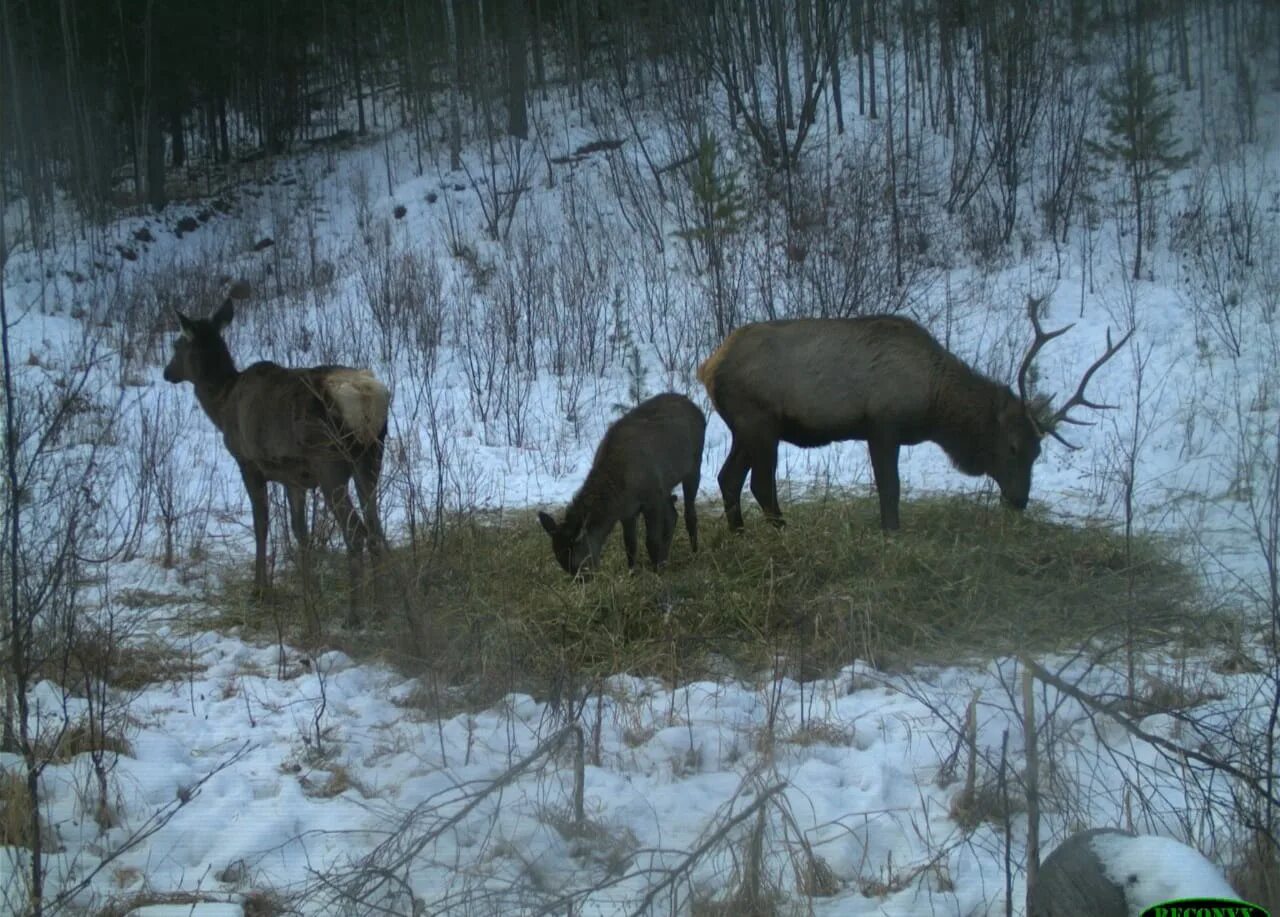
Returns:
point(643, 456)
point(304, 428)
point(882, 379)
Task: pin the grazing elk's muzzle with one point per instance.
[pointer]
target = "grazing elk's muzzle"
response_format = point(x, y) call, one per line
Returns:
point(1016, 492)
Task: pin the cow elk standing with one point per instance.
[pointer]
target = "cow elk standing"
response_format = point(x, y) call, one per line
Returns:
point(882, 379)
point(643, 456)
point(304, 428)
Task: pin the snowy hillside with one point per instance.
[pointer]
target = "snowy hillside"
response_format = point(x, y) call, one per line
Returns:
point(296, 777)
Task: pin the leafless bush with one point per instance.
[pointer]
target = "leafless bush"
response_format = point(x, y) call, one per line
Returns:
point(527, 285)
point(845, 266)
point(639, 192)
point(983, 230)
point(664, 311)
point(481, 353)
point(57, 524)
point(158, 478)
point(505, 176)
point(404, 292)
point(1219, 235)
point(144, 314)
point(1070, 110)
point(577, 321)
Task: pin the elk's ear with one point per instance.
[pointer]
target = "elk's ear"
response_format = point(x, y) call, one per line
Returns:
point(185, 325)
point(1038, 411)
point(224, 315)
point(548, 524)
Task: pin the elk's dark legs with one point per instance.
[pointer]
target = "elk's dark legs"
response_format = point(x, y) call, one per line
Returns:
point(366, 470)
point(298, 522)
point(733, 474)
point(334, 486)
point(764, 487)
point(298, 516)
point(256, 485)
point(658, 528)
point(884, 465)
point(690, 486)
point(629, 539)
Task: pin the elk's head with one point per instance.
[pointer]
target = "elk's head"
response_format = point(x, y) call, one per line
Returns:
point(572, 546)
point(199, 347)
point(1015, 449)
point(1027, 419)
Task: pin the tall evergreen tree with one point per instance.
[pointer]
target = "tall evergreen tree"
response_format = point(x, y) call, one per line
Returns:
point(1140, 140)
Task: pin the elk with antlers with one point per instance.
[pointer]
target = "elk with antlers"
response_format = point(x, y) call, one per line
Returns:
point(304, 428)
point(883, 379)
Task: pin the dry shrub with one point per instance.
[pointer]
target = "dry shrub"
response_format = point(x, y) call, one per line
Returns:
point(337, 781)
point(612, 846)
point(15, 811)
point(820, 732)
point(132, 903)
point(126, 665)
point(82, 737)
point(988, 803)
point(1257, 877)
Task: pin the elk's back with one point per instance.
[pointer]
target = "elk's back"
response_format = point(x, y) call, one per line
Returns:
point(280, 415)
point(813, 381)
point(654, 446)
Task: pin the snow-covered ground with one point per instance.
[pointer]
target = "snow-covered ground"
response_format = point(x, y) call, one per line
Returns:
point(319, 777)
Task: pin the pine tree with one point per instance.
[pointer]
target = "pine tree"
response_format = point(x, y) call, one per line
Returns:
point(720, 209)
point(1140, 139)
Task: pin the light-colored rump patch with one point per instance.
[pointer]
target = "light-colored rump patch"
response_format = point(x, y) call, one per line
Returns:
point(362, 401)
point(707, 371)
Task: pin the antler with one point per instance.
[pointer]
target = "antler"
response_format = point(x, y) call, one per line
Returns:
point(1042, 337)
point(1062, 415)
point(1078, 399)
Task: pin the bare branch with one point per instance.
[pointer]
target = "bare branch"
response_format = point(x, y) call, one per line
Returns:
point(1170, 749)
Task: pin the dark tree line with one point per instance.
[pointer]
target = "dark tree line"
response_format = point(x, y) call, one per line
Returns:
point(103, 99)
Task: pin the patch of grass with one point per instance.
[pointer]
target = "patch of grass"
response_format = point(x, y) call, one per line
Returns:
point(130, 904)
point(327, 782)
point(15, 811)
point(611, 845)
point(81, 737)
point(820, 732)
point(125, 664)
point(489, 611)
point(986, 804)
point(147, 598)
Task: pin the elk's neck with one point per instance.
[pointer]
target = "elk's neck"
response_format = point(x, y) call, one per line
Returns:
point(214, 390)
point(963, 411)
point(595, 505)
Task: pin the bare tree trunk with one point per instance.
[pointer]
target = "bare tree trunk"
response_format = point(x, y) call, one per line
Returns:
point(895, 215)
point(155, 161)
point(355, 66)
point(831, 40)
point(539, 67)
point(18, 651)
point(515, 34)
point(868, 39)
point(455, 69)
